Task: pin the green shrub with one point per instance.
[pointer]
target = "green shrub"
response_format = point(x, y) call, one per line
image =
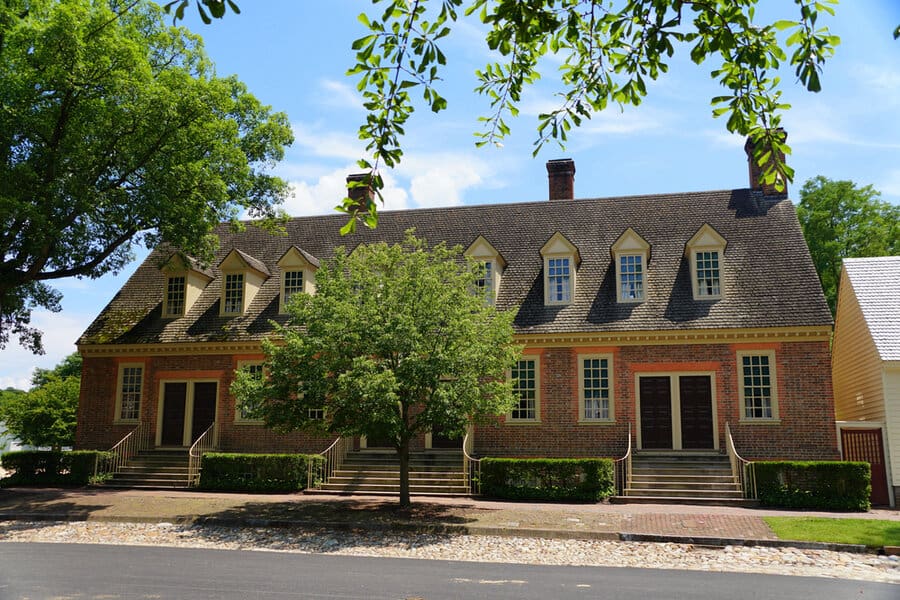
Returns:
point(51, 467)
point(585, 479)
point(255, 472)
point(828, 485)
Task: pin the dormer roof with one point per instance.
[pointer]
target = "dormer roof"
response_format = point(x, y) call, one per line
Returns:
point(237, 260)
point(481, 248)
point(297, 257)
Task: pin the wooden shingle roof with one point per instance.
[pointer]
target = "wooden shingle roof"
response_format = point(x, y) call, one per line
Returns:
point(768, 277)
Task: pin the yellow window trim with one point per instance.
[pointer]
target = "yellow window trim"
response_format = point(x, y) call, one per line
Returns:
point(119, 380)
point(537, 393)
point(773, 384)
point(612, 395)
point(238, 419)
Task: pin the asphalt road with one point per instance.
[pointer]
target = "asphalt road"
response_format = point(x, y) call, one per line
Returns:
point(95, 572)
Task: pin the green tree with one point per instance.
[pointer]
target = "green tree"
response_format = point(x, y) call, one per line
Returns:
point(46, 414)
point(393, 343)
point(609, 49)
point(70, 366)
point(841, 220)
point(115, 131)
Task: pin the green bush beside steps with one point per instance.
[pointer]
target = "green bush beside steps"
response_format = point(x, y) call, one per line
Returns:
point(828, 485)
point(580, 479)
point(51, 467)
point(255, 472)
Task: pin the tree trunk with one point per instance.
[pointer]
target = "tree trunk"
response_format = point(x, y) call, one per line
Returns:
point(403, 451)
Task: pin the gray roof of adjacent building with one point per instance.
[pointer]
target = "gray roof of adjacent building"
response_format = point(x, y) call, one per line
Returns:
point(876, 285)
point(767, 274)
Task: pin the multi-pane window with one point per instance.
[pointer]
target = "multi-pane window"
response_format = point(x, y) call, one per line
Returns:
point(175, 296)
point(707, 270)
point(485, 283)
point(559, 280)
point(234, 293)
point(595, 386)
point(757, 384)
point(246, 412)
point(293, 284)
point(631, 276)
point(524, 377)
point(316, 414)
point(130, 393)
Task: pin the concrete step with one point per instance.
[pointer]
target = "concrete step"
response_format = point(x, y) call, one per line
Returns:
point(742, 502)
point(366, 488)
point(685, 485)
point(683, 493)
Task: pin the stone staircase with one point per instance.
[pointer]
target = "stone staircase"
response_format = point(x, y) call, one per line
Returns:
point(158, 468)
point(431, 473)
point(682, 477)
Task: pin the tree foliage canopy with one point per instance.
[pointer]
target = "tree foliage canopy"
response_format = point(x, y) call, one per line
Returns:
point(46, 414)
point(393, 343)
point(115, 130)
point(841, 220)
point(610, 50)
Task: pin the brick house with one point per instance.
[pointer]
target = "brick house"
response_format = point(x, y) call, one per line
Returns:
point(665, 315)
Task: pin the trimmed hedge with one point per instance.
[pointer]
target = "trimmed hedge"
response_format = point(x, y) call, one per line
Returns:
point(585, 479)
point(50, 467)
point(828, 485)
point(255, 472)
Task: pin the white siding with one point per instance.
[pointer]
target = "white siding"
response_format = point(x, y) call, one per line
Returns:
point(892, 420)
point(856, 366)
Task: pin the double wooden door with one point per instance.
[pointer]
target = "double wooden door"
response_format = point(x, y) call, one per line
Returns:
point(694, 428)
point(188, 409)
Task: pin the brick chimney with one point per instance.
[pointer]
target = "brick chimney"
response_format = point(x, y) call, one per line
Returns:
point(755, 170)
point(561, 176)
point(361, 194)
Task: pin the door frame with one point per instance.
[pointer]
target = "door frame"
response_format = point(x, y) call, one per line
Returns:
point(888, 475)
point(188, 406)
point(675, 399)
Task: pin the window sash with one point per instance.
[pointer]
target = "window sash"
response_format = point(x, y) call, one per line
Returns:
point(756, 380)
point(708, 282)
point(175, 289)
point(559, 280)
point(485, 283)
point(595, 389)
point(130, 393)
point(293, 284)
point(234, 293)
point(631, 277)
point(524, 376)
point(245, 413)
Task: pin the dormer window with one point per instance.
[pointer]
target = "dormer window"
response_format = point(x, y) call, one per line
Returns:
point(705, 251)
point(561, 258)
point(483, 252)
point(242, 276)
point(298, 274)
point(185, 281)
point(175, 287)
point(631, 255)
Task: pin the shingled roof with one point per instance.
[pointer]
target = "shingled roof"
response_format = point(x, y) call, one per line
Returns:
point(876, 284)
point(768, 277)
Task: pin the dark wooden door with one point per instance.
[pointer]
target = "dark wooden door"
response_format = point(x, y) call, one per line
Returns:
point(379, 441)
point(204, 408)
point(656, 412)
point(440, 440)
point(174, 396)
point(867, 445)
point(696, 412)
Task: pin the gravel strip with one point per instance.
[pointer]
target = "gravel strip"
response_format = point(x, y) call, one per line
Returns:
point(781, 561)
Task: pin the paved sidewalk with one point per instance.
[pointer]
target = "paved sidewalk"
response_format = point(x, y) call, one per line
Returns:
point(651, 522)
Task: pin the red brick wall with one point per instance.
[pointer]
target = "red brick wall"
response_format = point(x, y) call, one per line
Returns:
point(806, 407)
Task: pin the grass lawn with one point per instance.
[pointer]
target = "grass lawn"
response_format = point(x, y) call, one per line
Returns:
point(871, 532)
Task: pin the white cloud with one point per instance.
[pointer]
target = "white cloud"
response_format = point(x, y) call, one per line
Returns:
point(339, 95)
point(882, 78)
point(611, 121)
point(316, 141)
point(819, 123)
point(319, 195)
point(60, 332)
point(441, 179)
point(724, 139)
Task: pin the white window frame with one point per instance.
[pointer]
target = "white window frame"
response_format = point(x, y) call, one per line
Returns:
point(482, 251)
point(486, 283)
point(706, 240)
point(285, 297)
point(610, 387)
point(773, 386)
point(167, 301)
point(699, 293)
point(510, 418)
point(639, 275)
point(225, 290)
point(316, 414)
point(120, 392)
point(567, 291)
point(239, 418)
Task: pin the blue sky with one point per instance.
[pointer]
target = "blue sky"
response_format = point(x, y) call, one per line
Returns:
point(293, 56)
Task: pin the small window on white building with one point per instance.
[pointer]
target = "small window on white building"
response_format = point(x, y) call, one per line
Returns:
point(298, 274)
point(175, 294)
point(631, 253)
point(561, 258)
point(234, 294)
point(484, 253)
